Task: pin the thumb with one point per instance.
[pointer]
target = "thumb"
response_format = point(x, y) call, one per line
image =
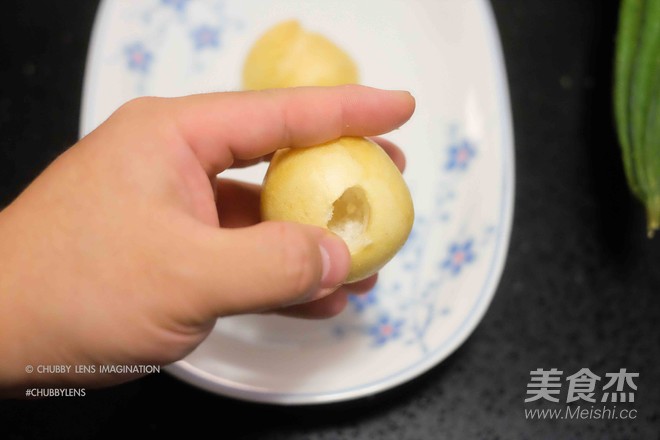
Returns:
point(272, 265)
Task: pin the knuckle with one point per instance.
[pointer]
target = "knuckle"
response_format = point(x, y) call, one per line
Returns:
point(299, 258)
point(146, 116)
point(142, 110)
point(139, 104)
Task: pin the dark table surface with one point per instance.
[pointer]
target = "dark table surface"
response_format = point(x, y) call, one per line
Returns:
point(580, 288)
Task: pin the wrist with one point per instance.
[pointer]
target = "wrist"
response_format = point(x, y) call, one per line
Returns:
point(14, 321)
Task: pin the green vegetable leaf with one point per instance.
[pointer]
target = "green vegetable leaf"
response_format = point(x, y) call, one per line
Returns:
point(636, 96)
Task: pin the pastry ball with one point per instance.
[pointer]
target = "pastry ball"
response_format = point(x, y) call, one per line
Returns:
point(289, 56)
point(349, 186)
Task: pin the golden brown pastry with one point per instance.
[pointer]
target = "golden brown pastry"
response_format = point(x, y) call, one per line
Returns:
point(349, 186)
point(288, 56)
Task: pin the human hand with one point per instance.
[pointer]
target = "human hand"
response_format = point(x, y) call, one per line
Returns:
point(127, 247)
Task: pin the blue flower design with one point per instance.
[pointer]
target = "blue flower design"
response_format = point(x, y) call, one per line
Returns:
point(138, 57)
point(179, 5)
point(206, 36)
point(460, 254)
point(460, 155)
point(385, 329)
point(362, 302)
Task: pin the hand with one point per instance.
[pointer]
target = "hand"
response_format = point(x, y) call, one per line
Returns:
point(127, 248)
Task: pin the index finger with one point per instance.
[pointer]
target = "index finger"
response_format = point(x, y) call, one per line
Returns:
point(224, 127)
point(392, 150)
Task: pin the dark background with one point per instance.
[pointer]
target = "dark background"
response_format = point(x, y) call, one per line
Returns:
point(580, 288)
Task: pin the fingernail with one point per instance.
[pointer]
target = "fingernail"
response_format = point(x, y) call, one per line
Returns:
point(335, 259)
point(325, 261)
point(405, 93)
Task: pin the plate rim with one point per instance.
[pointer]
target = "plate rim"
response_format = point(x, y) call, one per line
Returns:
point(192, 375)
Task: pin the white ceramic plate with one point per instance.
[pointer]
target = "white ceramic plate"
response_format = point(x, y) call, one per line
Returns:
point(460, 170)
